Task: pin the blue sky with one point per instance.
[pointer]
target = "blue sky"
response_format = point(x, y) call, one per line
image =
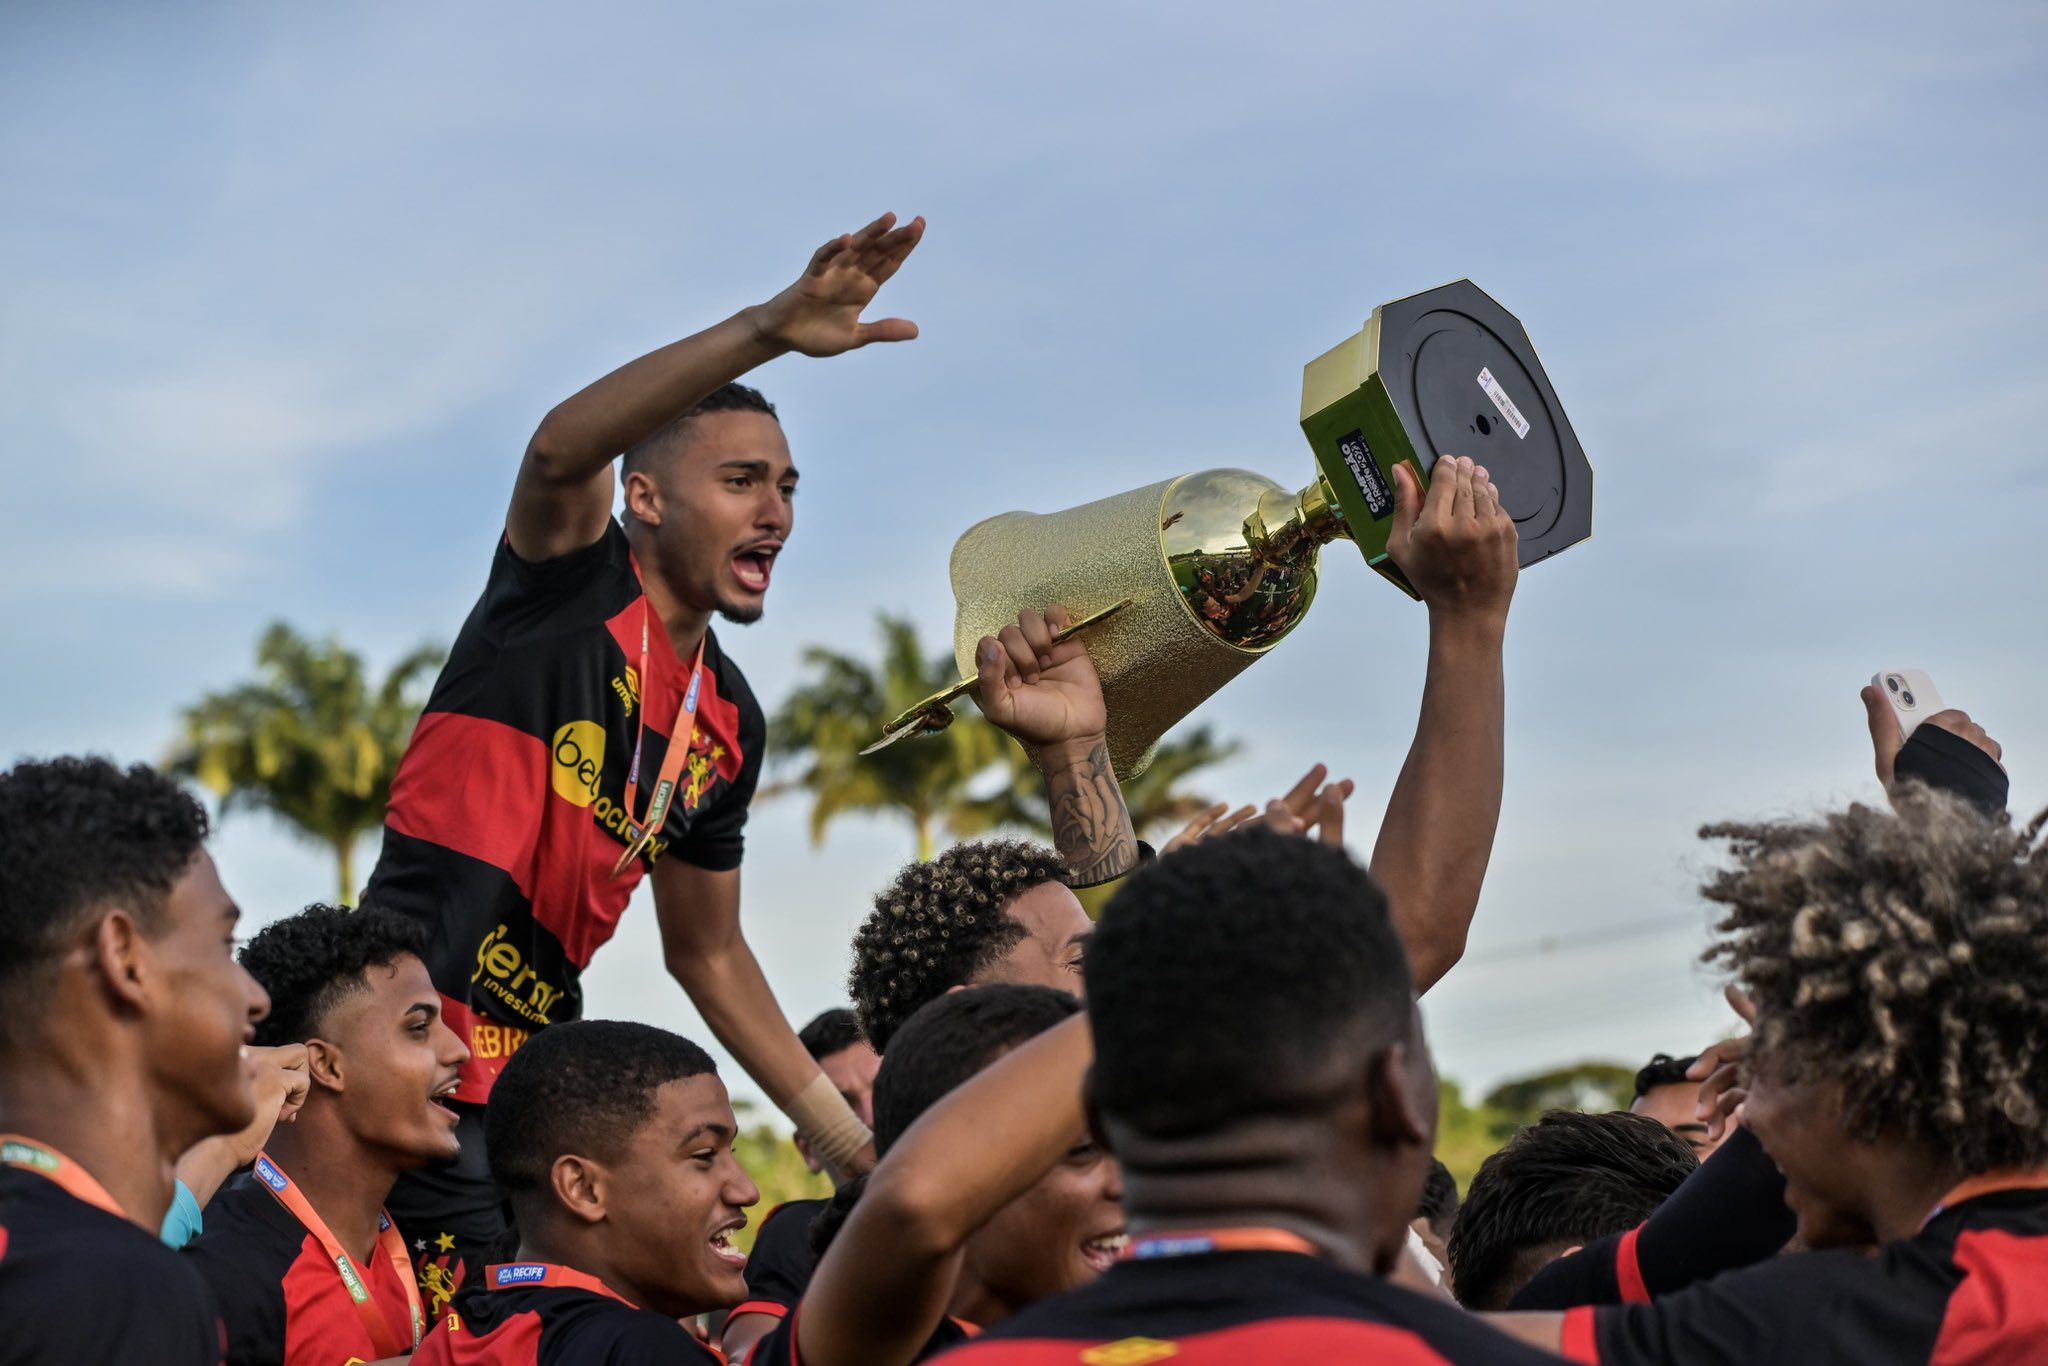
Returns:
point(288, 288)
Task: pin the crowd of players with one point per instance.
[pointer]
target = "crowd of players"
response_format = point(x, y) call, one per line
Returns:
point(1093, 1104)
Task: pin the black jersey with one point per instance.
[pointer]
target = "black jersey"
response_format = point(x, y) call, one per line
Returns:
point(507, 811)
point(1228, 1308)
point(547, 1324)
point(78, 1284)
point(780, 1267)
point(1967, 1289)
point(778, 1348)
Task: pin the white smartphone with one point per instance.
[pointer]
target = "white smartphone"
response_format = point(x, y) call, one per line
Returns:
point(1912, 695)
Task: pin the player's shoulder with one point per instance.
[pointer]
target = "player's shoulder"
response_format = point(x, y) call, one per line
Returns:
point(732, 680)
point(77, 1283)
point(578, 1326)
point(245, 1229)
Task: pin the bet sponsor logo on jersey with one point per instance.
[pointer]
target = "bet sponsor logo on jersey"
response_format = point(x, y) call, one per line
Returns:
point(502, 970)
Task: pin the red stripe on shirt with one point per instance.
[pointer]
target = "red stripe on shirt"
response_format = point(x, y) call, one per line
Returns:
point(1998, 1312)
point(474, 786)
point(1576, 1340)
point(1628, 1269)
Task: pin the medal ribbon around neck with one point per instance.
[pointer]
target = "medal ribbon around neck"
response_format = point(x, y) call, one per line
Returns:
point(1989, 1183)
point(526, 1275)
point(358, 1287)
point(1194, 1242)
point(47, 1162)
point(679, 741)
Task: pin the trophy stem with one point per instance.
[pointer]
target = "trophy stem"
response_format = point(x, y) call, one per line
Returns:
point(1287, 530)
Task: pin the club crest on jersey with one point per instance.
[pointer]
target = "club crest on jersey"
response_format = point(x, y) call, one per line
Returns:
point(519, 1273)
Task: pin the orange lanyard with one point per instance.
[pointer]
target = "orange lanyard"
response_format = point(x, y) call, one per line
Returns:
point(388, 1238)
point(679, 742)
point(1988, 1183)
point(526, 1275)
point(74, 1180)
point(1196, 1241)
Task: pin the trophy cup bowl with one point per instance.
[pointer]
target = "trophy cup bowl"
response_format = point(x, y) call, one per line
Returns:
point(1187, 582)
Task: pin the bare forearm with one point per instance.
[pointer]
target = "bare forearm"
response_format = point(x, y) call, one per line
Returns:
point(592, 427)
point(1091, 827)
point(1438, 833)
point(739, 1007)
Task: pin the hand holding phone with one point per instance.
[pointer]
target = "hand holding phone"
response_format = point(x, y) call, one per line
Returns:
point(1912, 696)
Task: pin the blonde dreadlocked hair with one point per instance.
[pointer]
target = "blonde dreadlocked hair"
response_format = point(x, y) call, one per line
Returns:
point(1906, 956)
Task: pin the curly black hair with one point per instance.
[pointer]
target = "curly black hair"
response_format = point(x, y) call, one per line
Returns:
point(1563, 1181)
point(1239, 980)
point(940, 925)
point(1901, 954)
point(584, 1087)
point(830, 1031)
point(1439, 1204)
point(1662, 1070)
point(946, 1042)
point(312, 961)
point(80, 836)
point(726, 398)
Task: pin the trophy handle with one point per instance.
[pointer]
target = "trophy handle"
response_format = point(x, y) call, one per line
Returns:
point(932, 715)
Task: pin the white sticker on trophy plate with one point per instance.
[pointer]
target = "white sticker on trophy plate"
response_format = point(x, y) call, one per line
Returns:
point(1506, 405)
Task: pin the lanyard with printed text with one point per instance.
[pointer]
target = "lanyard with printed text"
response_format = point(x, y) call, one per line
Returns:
point(1989, 1183)
point(72, 1179)
point(679, 742)
point(525, 1275)
point(388, 1238)
point(1195, 1242)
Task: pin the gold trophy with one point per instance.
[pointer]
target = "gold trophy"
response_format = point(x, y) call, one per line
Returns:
point(1183, 584)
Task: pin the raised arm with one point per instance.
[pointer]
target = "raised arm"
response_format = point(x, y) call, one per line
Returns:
point(563, 494)
point(1049, 699)
point(883, 1285)
point(705, 951)
point(1458, 548)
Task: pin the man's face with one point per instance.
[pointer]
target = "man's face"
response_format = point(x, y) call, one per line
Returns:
point(1676, 1107)
point(676, 1196)
point(1056, 932)
point(397, 1061)
point(851, 1071)
point(725, 500)
point(1800, 1126)
point(1063, 1232)
point(208, 1009)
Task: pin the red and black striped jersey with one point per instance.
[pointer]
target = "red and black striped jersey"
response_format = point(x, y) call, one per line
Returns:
point(556, 1325)
point(778, 1348)
point(1226, 1308)
point(78, 1284)
point(507, 812)
point(281, 1297)
point(1967, 1291)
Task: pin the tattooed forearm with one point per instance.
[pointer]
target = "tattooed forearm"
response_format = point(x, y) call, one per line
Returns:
point(1090, 826)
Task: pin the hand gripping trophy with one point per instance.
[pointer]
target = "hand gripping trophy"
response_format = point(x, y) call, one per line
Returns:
point(1182, 584)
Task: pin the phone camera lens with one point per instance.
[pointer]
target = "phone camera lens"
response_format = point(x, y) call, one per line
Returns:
point(1907, 697)
point(1892, 681)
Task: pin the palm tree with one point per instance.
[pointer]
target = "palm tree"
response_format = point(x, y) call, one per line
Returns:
point(1155, 798)
point(310, 740)
point(843, 706)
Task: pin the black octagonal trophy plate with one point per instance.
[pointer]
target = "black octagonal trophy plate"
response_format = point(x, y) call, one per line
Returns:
point(1445, 372)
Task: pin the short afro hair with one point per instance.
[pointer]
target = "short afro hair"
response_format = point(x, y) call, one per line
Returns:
point(726, 398)
point(1662, 1070)
point(584, 1088)
point(938, 1048)
point(1439, 1204)
point(313, 961)
point(1240, 980)
point(1564, 1181)
point(830, 1031)
point(79, 837)
point(940, 925)
point(1900, 954)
